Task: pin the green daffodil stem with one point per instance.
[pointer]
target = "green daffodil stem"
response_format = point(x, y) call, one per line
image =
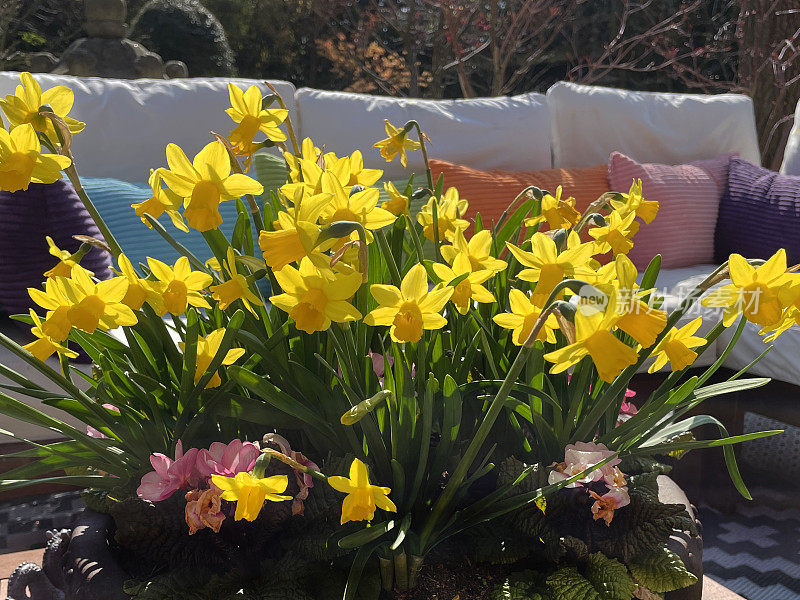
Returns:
point(111, 241)
point(294, 464)
point(462, 469)
point(598, 204)
point(288, 121)
point(422, 137)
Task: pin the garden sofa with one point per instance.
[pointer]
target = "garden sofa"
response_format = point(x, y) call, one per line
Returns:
point(130, 123)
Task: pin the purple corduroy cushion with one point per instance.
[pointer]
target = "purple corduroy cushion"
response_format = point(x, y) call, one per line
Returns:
point(759, 213)
point(26, 217)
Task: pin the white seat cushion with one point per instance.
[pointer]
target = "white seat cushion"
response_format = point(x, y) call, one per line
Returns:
point(780, 363)
point(130, 122)
point(791, 155)
point(511, 133)
point(590, 122)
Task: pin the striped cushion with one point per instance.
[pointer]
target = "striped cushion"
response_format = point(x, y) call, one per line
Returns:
point(490, 192)
point(759, 213)
point(27, 217)
point(689, 197)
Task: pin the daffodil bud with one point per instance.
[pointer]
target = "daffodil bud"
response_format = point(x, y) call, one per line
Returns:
point(598, 220)
point(566, 309)
point(421, 194)
point(560, 237)
point(262, 462)
point(362, 409)
point(339, 229)
point(268, 100)
point(356, 189)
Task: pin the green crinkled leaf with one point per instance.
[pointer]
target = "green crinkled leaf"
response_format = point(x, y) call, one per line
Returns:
point(525, 585)
point(609, 577)
point(568, 584)
point(661, 571)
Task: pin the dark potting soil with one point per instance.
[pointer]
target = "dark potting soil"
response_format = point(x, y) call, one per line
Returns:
point(452, 582)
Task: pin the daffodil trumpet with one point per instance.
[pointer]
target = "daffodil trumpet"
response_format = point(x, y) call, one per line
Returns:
point(255, 211)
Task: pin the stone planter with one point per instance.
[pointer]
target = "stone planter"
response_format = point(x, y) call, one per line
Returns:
point(79, 564)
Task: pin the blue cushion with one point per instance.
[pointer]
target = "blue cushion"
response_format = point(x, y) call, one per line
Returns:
point(113, 199)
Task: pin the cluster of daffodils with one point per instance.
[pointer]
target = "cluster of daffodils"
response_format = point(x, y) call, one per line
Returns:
point(606, 485)
point(321, 229)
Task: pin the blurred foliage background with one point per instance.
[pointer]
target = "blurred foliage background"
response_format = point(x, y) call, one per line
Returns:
point(461, 48)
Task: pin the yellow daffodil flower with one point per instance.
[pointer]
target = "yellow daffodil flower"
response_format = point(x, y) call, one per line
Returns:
point(616, 235)
point(137, 287)
point(176, 287)
point(56, 325)
point(759, 293)
point(162, 201)
point(236, 288)
point(410, 309)
point(22, 163)
point(362, 497)
point(247, 110)
point(297, 232)
point(43, 347)
point(96, 305)
point(205, 182)
point(467, 290)
point(593, 336)
point(308, 152)
point(361, 207)
point(66, 260)
point(397, 204)
point(523, 316)
point(396, 142)
point(449, 211)
point(207, 348)
point(23, 107)
point(634, 202)
point(642, 322)
point(547, 267)
point(250, 493)
point(478, 249)
point(314, 297)
point(559, 214)
point(676, 347)
point(353, 166)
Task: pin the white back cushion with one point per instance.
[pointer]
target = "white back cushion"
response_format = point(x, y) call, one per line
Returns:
point(130, 122)
point(590, 122)
point(484, 133)
point(791, 155)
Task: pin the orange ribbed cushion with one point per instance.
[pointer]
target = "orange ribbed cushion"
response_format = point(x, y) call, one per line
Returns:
point(490, 192)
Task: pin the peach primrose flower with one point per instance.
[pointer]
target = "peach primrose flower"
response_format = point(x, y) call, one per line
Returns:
point(581, 456)
point(605, 505)
point(204, 509)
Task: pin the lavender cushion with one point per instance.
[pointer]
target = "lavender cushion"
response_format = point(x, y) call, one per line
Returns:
point(26, 217)
point(759, 213)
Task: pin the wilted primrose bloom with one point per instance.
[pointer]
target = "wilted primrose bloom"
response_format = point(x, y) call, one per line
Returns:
point(247, 110)
point(362, 497)
point(205, 182)
point(449, 212)
point(23, 106)
point(22, 163)
point(176, 287)
point(559, 214)
point(410, 309)
point(314, 297)
point(396, 143)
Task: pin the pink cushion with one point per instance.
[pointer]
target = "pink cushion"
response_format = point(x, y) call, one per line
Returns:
point(689, 197)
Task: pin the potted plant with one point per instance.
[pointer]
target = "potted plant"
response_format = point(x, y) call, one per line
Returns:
point(419, 406)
